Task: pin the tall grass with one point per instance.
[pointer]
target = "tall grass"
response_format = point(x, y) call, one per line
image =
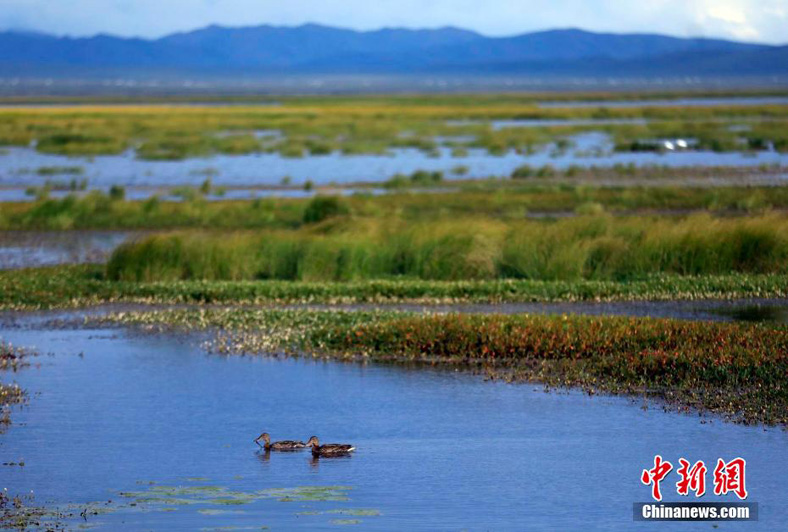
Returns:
point(589, 247)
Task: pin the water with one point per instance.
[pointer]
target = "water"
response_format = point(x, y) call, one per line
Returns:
point(26, 249)
point(18, 194)
point(269, 169)
point(436, 450)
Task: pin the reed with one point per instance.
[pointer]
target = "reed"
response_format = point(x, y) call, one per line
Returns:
point(588, 247)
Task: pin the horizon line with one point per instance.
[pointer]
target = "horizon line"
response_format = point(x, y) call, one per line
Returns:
point(380, 29)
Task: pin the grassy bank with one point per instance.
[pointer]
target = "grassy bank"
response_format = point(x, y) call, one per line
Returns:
point(731, 369)
point(78, 286)
point(588, 247)
point(493, 199)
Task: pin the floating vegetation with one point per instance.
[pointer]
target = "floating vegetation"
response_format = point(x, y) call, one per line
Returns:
point(360, 512)
point(206, 501)
point(221, 496)
point(11, 359)
point(18, 512)
point(21, 513)
point(14, 358)
point(213, 511)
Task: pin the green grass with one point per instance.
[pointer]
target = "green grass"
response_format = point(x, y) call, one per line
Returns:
point(78, 286)
point(737, 370)
point(491, 199)
point(597, 247)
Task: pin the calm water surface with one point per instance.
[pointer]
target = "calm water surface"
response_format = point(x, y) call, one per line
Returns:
point(266, 169)
point(436, 450)
point(26, 249)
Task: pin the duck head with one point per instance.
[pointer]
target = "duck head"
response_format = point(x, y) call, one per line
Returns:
point(313, 442)
point(265, 437)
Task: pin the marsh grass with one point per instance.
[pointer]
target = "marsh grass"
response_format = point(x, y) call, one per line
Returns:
point(79, 286)
point(598, 247)
point(489, 199)
point(731, 369)
point(368, 124)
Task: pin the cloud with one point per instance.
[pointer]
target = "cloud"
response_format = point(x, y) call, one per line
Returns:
point(761, 20)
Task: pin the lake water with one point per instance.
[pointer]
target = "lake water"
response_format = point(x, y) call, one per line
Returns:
point(18, 165)
point(26, 249)
point(112, 411)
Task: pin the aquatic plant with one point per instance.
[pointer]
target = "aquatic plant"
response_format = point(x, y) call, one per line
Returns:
point(11, 359)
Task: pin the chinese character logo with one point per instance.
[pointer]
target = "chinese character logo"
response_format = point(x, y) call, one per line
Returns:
point(729, 477)
point(692, 478)
point(654, 476)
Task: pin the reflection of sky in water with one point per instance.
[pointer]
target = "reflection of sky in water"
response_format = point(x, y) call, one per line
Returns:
point(436, 449)
point(269, 169)
point(27, 249)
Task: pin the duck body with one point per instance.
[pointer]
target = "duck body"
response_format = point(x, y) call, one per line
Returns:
point(329, 449)
point(284, 445)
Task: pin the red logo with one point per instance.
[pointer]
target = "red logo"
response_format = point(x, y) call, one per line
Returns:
point(654, 476)
point(692, 478)
point(729, 477)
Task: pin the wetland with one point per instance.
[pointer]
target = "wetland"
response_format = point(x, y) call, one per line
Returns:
point(504, 302)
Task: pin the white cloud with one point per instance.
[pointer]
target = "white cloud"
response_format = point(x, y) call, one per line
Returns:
point(762, 20)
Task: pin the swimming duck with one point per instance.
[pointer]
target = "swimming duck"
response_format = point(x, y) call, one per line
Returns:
point(329, 449)
point(286, 445)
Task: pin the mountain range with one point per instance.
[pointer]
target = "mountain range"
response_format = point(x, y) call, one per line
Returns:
point(315, 49)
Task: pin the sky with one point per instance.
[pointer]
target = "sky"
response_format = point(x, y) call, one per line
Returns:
point(749, 20)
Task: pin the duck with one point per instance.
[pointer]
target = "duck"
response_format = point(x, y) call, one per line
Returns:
point(329, 449)
point(286, 445)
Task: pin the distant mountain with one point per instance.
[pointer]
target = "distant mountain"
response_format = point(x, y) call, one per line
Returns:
point(315, 49)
